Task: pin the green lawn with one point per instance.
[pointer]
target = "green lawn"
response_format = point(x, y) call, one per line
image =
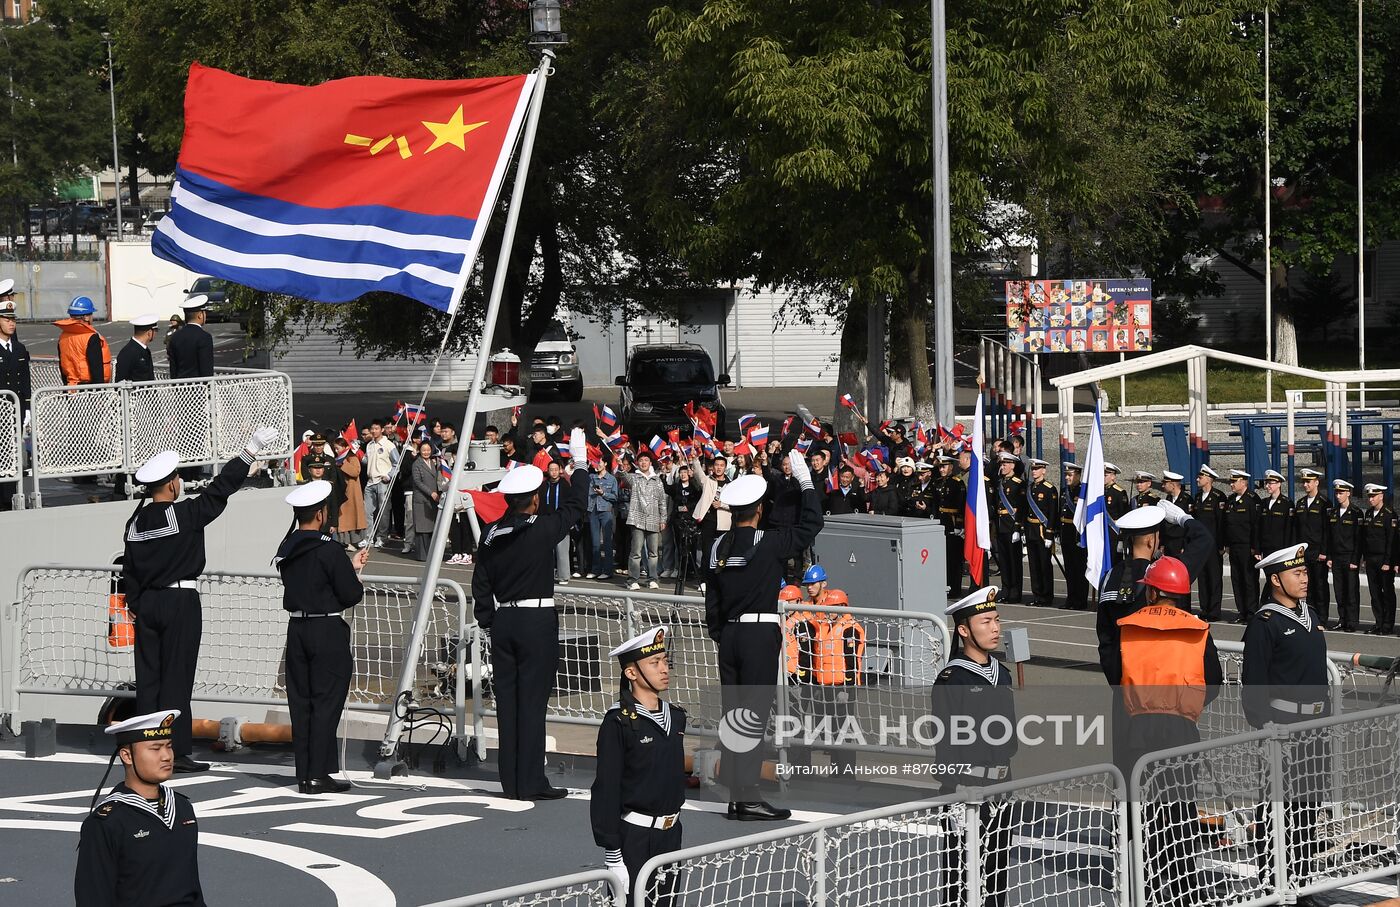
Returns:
point(1226, 383)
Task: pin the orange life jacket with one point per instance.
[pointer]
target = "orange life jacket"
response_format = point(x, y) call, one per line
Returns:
point(1163, 651)
point(840, 650)
point(72, 353)
point(121, 632)
point(799, 644)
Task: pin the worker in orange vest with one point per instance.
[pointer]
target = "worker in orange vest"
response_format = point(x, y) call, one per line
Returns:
point(83, 354)
point(1171, 672)
point(826, 651)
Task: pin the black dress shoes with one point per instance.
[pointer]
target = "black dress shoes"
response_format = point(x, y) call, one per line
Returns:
point(184, 765)
point(325, 785)
point(551, 793)
point(758, 811)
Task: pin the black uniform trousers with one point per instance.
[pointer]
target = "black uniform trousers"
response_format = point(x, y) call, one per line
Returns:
point(1076, 582)
point(1346, 581)
point(524, 662)
point(953, 558)
point(1382, 583)
point(748, 676)
point(641, 844)
point(319, 667)
point(1210, 585)
point(1042, 570)
point(1009, 560)
point(997, 825)
point(1244, 580)
point(169, 626)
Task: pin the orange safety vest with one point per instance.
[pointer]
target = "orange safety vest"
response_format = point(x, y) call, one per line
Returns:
point(121, 632)
point(840, 650)
point(72, 352)
point(1163, 651)
point(799, 643)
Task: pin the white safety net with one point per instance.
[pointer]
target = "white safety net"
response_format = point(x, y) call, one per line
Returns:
point(11, 440)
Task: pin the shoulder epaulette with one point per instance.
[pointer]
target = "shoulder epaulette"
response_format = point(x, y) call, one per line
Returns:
point(945, 674)
point(104, 810)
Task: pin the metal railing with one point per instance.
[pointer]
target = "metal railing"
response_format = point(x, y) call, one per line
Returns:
point(1049, 840)
point(1012, 385)
point(1302, 808)
point(583, 889)
point(68, 633)
point(95, 429)
point(11, 438)
point(44, 371)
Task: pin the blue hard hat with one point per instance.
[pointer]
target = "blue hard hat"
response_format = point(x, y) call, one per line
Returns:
point(815, 574)
point(81, 305)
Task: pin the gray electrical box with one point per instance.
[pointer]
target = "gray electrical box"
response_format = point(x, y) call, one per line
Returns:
point(895, 563)
point(1017, 642)
point(892, 562)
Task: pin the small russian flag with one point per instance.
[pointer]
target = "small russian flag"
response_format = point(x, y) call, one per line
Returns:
point(745, 421)
point(657, 446)
point(445, 468)
point(605, 417)
point(803, 445)
point(758, 436)
point(615, 441)
point(414, 412)
point(831, 484)
point(848, 401)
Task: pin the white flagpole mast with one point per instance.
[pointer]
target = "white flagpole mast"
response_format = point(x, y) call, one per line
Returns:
point(387, 765)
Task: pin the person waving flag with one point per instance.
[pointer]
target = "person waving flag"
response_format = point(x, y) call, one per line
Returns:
point(977, 536)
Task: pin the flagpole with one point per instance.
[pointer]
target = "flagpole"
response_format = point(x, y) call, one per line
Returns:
point(388, 765)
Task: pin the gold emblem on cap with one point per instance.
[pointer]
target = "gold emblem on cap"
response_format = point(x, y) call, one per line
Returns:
point(168, 720)
point(660, 638)
point(991, 595)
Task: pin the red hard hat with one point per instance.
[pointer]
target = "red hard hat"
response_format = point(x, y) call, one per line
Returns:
point(1169, 575)
point(790, 594)
point(835, 597)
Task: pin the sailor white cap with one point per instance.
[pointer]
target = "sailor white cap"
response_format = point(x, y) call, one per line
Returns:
point(307, 435)
point(198, 301)
point(1273, 475)
point(978, 602)
point(1342, 485)
point(148, 320)
point(1205, 470)
point(158, 468)
point(521, 480)
point(644, 645)
point(1070, 464)
point(1284, 559)
point(1005, 457)
point(1141, 476)
point(944, 458)
point(923, 464)
point(1373, 488)
point(155, 726)
point(1307, 472)
point(309, 494)
point(1239, 474)
point(1169, 476)
point(1038, 464)
point(1143, 519)
point(744, 491)
point(1109, 467)
point(7, 286)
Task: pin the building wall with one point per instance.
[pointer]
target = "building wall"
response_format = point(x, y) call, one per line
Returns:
point(768, 350)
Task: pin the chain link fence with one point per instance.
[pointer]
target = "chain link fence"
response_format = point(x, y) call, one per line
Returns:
point(94, 429)
point(11, 437)
point(584, 889)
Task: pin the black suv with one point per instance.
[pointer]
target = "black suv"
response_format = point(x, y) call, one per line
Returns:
point(661, 379)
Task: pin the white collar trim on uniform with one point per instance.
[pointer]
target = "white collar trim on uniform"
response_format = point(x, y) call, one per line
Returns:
point(991, 671)
point(171, 527)
point(1304, 619)
point(165, 813)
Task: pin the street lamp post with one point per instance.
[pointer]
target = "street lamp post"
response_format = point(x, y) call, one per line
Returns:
point(942, 235)
point(116, 161)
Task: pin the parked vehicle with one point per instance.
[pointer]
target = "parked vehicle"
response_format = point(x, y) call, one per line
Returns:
point(661, 379)
point(554, 365)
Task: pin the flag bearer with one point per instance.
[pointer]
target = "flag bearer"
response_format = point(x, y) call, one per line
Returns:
point(1043, 506)
point(1076, 559)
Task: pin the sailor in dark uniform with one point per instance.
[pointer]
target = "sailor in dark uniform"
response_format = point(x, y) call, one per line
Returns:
point(14, 369)
point(744, 569)
point(1173, 539)
point(1344, 556)
point(975, 687)
point(164, 556)
point(1239, 527)
point(1143, 493)
point(1275, 515)
point(1042, 511)
point(1284, 681)
point(1076, 559)
point(1115, 500)
point(134, 360)
point(1210, 508)
point(191, 349)
point(513, 598)
point(640, 786)
point(1009, 523)
point(952, 511)
point(140, 846)
point(1378, 533)
point(1312, 520)
point(318, 583)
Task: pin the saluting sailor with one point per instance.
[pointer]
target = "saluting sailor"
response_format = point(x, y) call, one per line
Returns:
point(640, 786)
point(744, 566)
point(513, 598)
point(164, 556)
point(975, 687)
point(1284, 681)
point(140, 846)
point(318, 583)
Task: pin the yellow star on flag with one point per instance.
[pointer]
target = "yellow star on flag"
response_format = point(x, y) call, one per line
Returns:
point(453, 132)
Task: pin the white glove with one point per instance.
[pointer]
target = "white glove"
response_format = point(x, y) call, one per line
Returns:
point(1015, 537)
point(1173, 514)
point(578, 448)
point(27, 414)
point(800, 470)
point(958, 533)
point(621, 882)
point(261, 440)
point(1050, 543)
